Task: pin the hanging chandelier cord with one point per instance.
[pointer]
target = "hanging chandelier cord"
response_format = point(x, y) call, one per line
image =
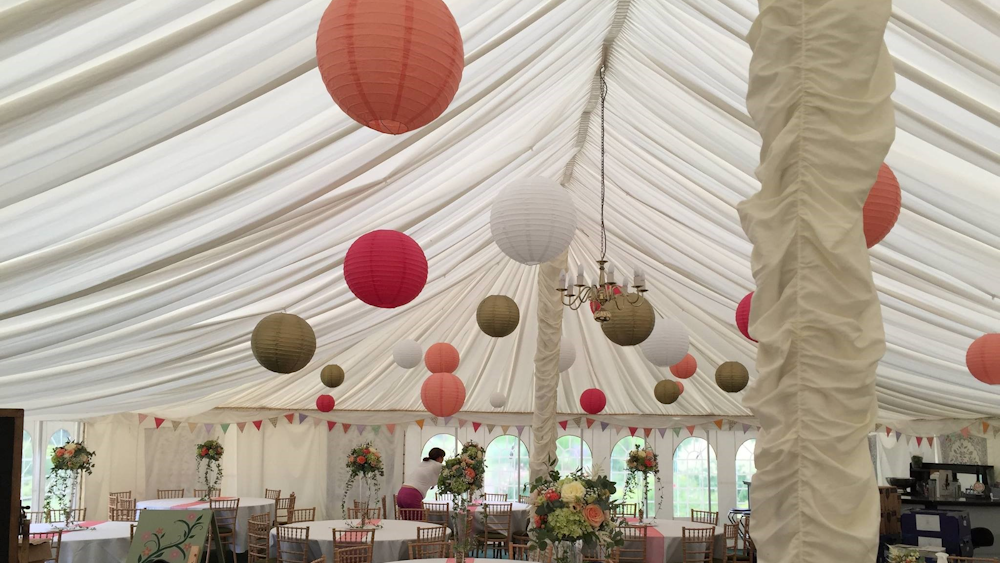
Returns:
point(604, 236)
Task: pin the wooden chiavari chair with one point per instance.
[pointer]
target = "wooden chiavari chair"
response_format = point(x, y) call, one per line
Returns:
point(599, 554)
point(704, 517)
point(496, 528)
point(38, 516)
point(211, 492)
point(169, 493)
point(78, 515)
point(124, 511)
point(956, 559)
point(354, 554)
point(131, 532)
point(297, 515)
point(353, 538)
point(524, 499)
point(699, 544)
point(430, 550)
point(732, 542)
point(385, 509)
point(524, 552)
point(225, 516)
point(272, 494)
point(292, 544)
point(634, 548)
point(625, 510)
point(432, 534)
point(395, 508)
point(495, 497)
point(258, 538)
point(442, 497)
point(282, 507)
point(373, 513)
point(113, 499)
point(437, 513)
point(411, 514)
point(55, 541)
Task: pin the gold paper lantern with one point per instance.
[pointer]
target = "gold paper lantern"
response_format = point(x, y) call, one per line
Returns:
point(332, 375)
point(497, 315)
point(629, 324)
point(667, 391)
point(732, 377)
point(283, 343)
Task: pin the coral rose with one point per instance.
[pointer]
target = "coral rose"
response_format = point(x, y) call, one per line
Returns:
point(60, 452)
point(470, 473)
point(649, 462)
point(593, 514)
point(551, 495)
point(361, 459)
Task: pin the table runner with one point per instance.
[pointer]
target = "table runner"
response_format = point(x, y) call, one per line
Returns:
point(187, 505)
point(656, 550)
point(86, 525)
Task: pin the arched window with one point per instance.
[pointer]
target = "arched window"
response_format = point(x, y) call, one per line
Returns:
point(57, 440)
point(446, 442)
point(506, 466)
point(696, 478)
point(745, 469)
point(619, 458)
point(568, 452)
point(27, 466)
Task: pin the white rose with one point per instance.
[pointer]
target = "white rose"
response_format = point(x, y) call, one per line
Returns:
point(573, 491)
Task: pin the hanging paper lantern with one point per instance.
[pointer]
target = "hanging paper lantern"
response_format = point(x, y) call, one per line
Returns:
point(882, 206)
point(283, 343)
point(685, 368)
point(385, 269)
point(441, 358)
point(743, 316)
point(332, 375)
point(983, 358)
point(497, 315)
point(533, 220)
point(732, 377)
point(666, 391)
point(325, 403)
point(680, 387)
point(498, 400)
point(391, 65)
point(407, 354)
point(629, 325)
point(443, 394)
point(567, 355)
point(667, 345)
point(593, 401)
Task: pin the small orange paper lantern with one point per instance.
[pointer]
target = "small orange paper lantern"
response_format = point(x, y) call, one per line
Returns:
point(441, 358)
point(443, 394)
point(983, 358)
point(685, 368)
point(680, 387)
point(882, 206)
point(391, 65)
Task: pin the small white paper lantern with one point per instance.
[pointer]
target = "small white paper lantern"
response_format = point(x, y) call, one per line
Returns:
point(667, 345)
point(498, 400)
point(567, 355)
point(533, 220)
point(407, 354)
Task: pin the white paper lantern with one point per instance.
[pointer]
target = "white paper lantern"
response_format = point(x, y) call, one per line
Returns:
point(407, 354)
point(667, 345)
point(567, 355)
point(533, 220)
point(498, 400)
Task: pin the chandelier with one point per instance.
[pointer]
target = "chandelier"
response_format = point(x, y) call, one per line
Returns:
point(605, 294)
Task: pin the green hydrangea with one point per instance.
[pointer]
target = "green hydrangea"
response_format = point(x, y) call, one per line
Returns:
point(568, 523)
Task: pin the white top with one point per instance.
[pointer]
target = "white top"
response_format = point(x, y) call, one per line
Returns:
point(424, 476)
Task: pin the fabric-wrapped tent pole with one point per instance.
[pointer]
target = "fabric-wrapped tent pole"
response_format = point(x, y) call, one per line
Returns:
point(820, 82)
point(550, 317)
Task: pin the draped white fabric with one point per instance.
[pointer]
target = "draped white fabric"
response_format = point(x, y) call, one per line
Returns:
point(170, 172)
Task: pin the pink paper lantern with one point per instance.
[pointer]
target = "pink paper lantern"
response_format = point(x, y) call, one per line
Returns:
point(325, 403)
point(685, 368)
point(385, 269)
point(743, 316)
point(443, 394)
point(593, 401)
point(680, 385)
point(983, 358)
point(441, 358)
point(882, 206)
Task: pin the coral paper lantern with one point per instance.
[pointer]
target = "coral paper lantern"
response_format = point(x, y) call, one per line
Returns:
point(332, 375)
point(498, 400)
point(497, 315)
point(685, 368)
point(882, 206)
point(667, 345)
point(391, 65)
point(629, 325)
point(732, 377)
point(666, 391)
point(567, 355)
point(593, 401)
point(680, 387)
point(441, 358)
point(325, 403)
point(385, 269)
point(443, 394)
point(283, 343)
point(743, 316)
point(983, 358)
point(407, 354)
point(533, 220)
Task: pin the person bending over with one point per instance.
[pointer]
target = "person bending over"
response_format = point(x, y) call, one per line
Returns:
point(411, 494)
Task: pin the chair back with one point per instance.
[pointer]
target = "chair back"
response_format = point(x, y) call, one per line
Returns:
point(272, 494)
point(432, 534)
point(113, 499)
point(497, 527)
point(625, 510)
point(297, 515)
point(495, 497)
point(124, 511)
point(210, 492)
point(442, 497)
point(351, 538)
point(353, 554)
point(732, 542)
point(258, 537)
point(411, 514)
point(373, 513)
point(395, 507)
point(634, 548)
point(225, 516)
point(704, 517)
point(292, 544)
point(430, 550)
point(55, 541)
point(524, 499)
point(524, 552)
point(58, 515)
point(599, 554)
point(699, 544)
point(38, 516)
point(169, 493)
point(282, 507)
point(437, 513)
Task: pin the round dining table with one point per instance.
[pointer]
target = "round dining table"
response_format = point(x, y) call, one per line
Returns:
point(392, 540)
point(665, 544)
point(97, 542)
point(249, 506)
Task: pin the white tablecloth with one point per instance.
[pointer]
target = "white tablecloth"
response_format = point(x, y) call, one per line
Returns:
point(106, 542)
point(392, 540)
point(249, 506)
point(673, 531)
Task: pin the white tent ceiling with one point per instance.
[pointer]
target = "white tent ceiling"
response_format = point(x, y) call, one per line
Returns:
point(173, 171)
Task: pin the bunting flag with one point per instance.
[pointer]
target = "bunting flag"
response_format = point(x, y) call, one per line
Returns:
point(690, 430)
point(159, 421)
point(210, 427)
point(878, 426)
point(996, 430)
point(490, 427)
point(435, 421)
point(302, 417)
point(274, 421)
point(520, 429)
point(965, 432)
point(257, 423)
point(677, 431)
point(143, 417)
point(985, 426)
point(360, 428)
point(888, 431)
point(930, 441)
point(505, 428)
point(447, 420)
point(376, 429)
point(663, 432)
point(718, 423)
point(391, 428)
point(647, 431)
point(578, 422)
point(329, 425)
point(632, 430)
point(476, 425)
point(461, 423)
point(346, 427)
point(907, 440)
point(604, 426)
point(898, 434)
point(616, 428)
point(420, 423)
point(290, 417)
point(225, 427)
point(746, 428)
point(317, 421)
point(590, 422)
point(192, 426)
point(919, 441)
point(176, 423)
point(241, 426)
point(562, 424)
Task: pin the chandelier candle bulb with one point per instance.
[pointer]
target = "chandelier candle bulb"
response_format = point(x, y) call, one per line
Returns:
point(562, 280)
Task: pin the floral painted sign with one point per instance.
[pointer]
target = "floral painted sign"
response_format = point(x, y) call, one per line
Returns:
point(172, 535)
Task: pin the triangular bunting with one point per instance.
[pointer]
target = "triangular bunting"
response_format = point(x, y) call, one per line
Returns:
point(420, 423)
point(590, 422)
point(225, 427)
point(907, 440)
point(663, 432)
point(930, 441)
point(391, 428)
point(562, 424)
point(746, 428)
point(143, 417)
point(578, 422)
point(632, 430)
point(159, 421)
point(616, 428)
point(376, 429)
point(329, 425)
point(690, 430)
point(435, 421)
point(257, 423)
point(888, 431)
point(718, 423)
point(241, 426)
point(461, 423)
point(192, 426)
point(447, 420)
point(986, 425)
point(505, 428)
point(176, 423)
point(210, 427)
point(475, 426)
point(898, 434)
point(919, 441)
point(360, 428)
point(647, 431)
point(520, 428)
point(965, 432)
point(346, 427)
point(317, 421)
point(604, 426)
point(490, 427)
point(290, 417)
point(677, 431)
point(274, 421)
point(302, 417)
point(996, 430)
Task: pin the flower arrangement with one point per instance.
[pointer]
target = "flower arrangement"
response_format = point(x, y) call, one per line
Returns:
point(365, 462)
point(461, 477)
point(903, 555)
point(641, 463)
point(210, 453)
point(68, 461)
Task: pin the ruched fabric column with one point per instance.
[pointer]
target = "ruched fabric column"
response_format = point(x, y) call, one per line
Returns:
point(820, 82)
point(550, 315)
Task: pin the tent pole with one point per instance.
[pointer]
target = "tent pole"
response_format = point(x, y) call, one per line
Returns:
point(550, 316)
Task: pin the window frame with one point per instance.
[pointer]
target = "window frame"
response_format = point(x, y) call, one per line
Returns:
point(712, 462)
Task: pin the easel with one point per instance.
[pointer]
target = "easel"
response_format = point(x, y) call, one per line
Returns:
point(196, 528)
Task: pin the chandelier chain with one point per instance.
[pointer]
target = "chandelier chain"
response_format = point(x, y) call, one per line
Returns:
point(604, 236)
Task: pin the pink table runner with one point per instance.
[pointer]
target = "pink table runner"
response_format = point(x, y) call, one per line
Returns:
point(656, 549)
point(356, 536)
point(197, 503)
point(467, 559)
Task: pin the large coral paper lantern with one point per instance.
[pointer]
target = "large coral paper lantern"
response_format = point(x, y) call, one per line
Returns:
point(743, 316)
point(983, 358)
point(385, 269)
point(685, 368)
point(593, 401)
point(533, 220)
point(391, 65)
point(443, 394)
point(441, 358)
point(882, 206)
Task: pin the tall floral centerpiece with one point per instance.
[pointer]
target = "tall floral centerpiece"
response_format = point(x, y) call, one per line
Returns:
point(571, 509)
point(903, 555)
point(642, 462)
point(462, 477)
point(365, 462)
point(68, 462)
point(209, 453)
